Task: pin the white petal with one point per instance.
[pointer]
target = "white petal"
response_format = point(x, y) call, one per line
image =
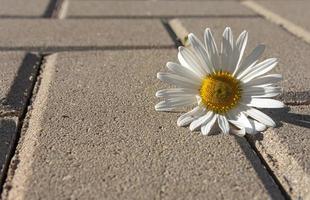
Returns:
point(261, 91)
point(240, 47)
point(265, 103)
point(173, 103)
point(260, 116)
point(198, 122)
point(178, 80)
point(183, 71)
point(190, 116)
point(206, 127)
point(226, 49)
point(240, 121)
point(267, 79)
point(246, 71)
point(176, 92)
point(238, 132)
point(251, 58)
point(211, 49)
point(257, 126)
point(189, 60)
point(200, 53)
point(260, 69)
point(223, 124)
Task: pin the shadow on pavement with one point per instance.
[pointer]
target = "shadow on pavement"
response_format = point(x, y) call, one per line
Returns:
point(262, 173)
point(21, 87)
point(8, 128)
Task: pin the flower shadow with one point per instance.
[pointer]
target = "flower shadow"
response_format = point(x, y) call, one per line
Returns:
point(284, 115)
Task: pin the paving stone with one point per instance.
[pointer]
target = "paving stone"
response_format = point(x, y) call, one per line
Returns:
point(94, 134)
point(292, 52)
point(57, 35)
point(155, 8)
point(281, 142)
point(287, 149)
point(294, 11)
point(8, 129)
point(20, 8)
point(17, 70)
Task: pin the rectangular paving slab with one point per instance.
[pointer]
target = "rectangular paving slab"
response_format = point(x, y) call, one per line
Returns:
point(285, 147)
point(57, 35)
point(155, 9)
point(21, 8)
point(294, 11)
point(93, 133)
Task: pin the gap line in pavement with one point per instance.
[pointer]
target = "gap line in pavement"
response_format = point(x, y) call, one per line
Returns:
point(277, 19)
point(181, 31)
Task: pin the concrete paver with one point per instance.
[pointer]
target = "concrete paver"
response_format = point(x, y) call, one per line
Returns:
point(17, 70)
point(94, 134)
point(155, 8)
point(291, 51)
point(18, 8)
point(52, 35)
point(294, 11)
point(293, 54)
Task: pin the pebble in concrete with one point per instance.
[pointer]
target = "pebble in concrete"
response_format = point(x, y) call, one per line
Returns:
point(57, 35)
point(155, 8)
point(94, 134)
point(286, 147)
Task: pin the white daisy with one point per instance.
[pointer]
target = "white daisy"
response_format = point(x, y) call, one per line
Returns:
point(223, 86)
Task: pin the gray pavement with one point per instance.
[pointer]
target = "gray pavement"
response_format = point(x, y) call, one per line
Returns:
point(120, 147)
point(74, 34)
point(293, 55)
point(80, 9)
point(19, 8)
point(17, 71)
point(295, 11)
point(88, 129)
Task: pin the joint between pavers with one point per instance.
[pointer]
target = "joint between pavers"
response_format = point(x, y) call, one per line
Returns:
point(133, 17)
point(263, 162)
point(11, 162)
point(268, 168)
point(277, 19)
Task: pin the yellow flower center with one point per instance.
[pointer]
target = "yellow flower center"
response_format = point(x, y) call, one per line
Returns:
point(220, 92)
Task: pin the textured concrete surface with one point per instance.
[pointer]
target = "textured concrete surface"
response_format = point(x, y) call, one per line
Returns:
point(291, 139)
point(21, 8)
point(292, 52)
point(17, 70)
point(8, 129)
point(57, 35)
point(295, 11)
point(94, 134)
point(155, 8)
point(287, 151)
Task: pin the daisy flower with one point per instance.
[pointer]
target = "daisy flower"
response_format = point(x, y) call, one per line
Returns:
point(225, 88)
